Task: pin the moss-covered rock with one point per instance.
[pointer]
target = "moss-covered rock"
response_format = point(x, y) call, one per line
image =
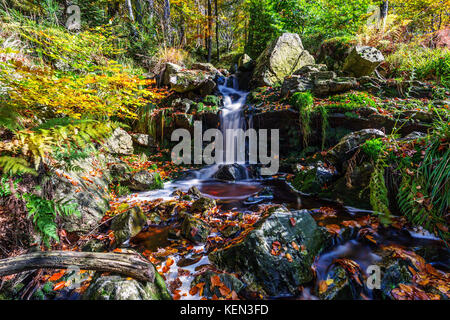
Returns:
point(272, 272)
point(128, 225)
point(120, 288)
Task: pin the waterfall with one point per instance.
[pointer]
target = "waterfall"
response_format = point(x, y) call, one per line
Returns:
point(232, 118)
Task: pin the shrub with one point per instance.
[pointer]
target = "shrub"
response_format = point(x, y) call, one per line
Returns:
point(427, 63)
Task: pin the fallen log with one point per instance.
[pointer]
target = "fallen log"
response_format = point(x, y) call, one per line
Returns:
point(128, 264)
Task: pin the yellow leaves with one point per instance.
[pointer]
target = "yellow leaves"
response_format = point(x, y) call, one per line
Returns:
point(323, 285)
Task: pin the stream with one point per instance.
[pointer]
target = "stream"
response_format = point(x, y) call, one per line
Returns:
point(244, 196)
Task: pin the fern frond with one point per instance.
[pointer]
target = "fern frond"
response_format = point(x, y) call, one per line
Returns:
point(15, 166)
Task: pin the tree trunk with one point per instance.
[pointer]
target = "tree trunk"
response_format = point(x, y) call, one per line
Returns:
point(209, 30)
point(130, 9)
point(127, 264)
point(166, 17)
point(217, 30)
point(384, 8)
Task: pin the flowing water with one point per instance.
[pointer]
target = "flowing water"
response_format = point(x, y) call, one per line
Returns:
point(245, 194)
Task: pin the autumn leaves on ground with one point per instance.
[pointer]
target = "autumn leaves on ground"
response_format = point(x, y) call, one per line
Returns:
point(359, 91)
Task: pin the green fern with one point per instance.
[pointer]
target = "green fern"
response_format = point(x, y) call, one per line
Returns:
point(15, 166)
point(378, 192)
point(44, 213)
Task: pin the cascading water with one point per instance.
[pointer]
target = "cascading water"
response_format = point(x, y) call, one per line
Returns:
point(232, 118)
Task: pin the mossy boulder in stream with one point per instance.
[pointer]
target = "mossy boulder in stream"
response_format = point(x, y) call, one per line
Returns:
point(128, 225)
point(120, 288)
point(276, 257)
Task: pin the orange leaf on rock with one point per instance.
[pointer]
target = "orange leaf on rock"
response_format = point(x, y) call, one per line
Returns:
point(59, 285)
point(215, 282)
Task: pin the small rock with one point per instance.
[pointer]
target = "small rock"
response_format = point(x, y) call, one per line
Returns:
point(203, 204)
point(143, 140)
point(194, 229)
point(119, 143)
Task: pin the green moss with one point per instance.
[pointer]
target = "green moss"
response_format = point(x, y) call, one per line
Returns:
point(352, 100)
point(373, 148)
point(157, 183)
point(304, 102)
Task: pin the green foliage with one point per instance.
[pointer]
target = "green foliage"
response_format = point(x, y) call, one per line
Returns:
point(15, 165)
point(304, 101)
point(212, 101)
point(44, 213)
point(157, 183)
point(428, 64)
point(352, 100)
point(373, 148)
point(379, 193)
point(311, 19)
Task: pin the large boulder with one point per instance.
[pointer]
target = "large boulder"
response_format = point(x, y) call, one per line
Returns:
point(362, 61)
point(280, 59)
point(86, 188)
point(120, 143)
point(276, 257)
point(120, 288)
point(182, 80)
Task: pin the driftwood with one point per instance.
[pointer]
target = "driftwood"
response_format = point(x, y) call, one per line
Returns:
point(127, 264)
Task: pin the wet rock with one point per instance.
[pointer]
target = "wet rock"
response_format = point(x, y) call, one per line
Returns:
point(141, 181)
point(194, 229)
point(206, 67)
point(280, 59)
point(394, 272)
point(230, 231)
point(232, 172)
point(120, 143)
point(362, 61)
point(143, 140)
point(353, 189)
point(312, 179)
point(120, 288)
point(207, 87)
point(309, 70)
point(348, 145)
point(415, 135)
point(265, 272)
point(194, 192)
point(341, 288)
point(203, 204)
point(128, 224)
point(230, 283)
